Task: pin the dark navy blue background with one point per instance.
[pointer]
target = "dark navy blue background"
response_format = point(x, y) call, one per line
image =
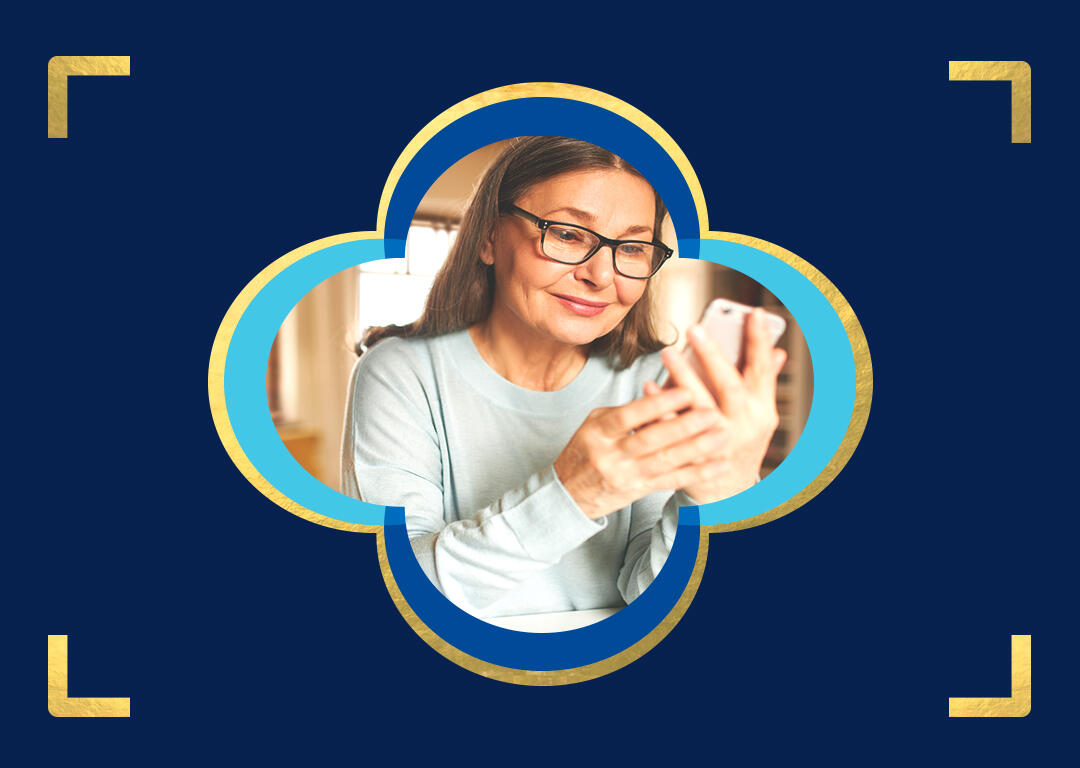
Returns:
point(242, 633)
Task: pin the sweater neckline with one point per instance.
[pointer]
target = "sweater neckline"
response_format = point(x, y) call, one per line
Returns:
point(492, 385)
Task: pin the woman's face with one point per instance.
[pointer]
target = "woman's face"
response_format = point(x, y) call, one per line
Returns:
point(567, 303)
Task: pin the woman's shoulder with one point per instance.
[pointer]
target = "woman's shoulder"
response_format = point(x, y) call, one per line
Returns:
point(393, 363)
point(394, 376)
point(404, 361)
point(394, 351)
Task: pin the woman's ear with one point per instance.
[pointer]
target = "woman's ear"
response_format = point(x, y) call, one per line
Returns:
point(487, 250)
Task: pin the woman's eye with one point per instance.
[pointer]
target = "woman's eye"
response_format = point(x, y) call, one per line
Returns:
point(567, 235)
point(629, 249)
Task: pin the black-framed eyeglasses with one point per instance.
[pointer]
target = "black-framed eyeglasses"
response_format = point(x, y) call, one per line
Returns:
point(573, 244)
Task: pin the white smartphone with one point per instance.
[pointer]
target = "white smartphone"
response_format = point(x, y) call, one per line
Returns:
point(725, 322)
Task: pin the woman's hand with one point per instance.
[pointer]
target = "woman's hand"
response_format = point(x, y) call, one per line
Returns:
point(622, 454)
point(745, 404)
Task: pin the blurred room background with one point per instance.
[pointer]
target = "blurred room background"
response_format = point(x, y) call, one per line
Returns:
point(314, 352)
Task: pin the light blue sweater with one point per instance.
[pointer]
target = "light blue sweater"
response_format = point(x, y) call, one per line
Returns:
point(431, 427)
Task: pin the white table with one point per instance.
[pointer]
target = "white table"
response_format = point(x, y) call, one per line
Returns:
point(552, 622)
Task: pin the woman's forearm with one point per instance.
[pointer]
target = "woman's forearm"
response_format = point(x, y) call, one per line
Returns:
point(476, 561)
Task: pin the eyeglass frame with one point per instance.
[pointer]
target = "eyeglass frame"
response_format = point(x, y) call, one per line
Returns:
point(543, 225)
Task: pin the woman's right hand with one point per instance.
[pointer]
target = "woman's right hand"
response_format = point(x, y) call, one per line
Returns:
point(621, 454)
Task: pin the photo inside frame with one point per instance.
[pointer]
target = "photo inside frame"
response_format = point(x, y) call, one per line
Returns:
point(318, 344)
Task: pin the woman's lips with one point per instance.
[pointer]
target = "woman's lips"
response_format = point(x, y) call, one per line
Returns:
point(581, 306)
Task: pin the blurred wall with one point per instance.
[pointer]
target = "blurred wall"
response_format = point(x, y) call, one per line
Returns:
point(315, 356)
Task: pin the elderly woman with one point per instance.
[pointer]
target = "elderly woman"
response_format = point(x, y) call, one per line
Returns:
point(519, 421)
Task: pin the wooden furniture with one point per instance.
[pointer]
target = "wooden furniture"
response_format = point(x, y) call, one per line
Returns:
point(303, 443)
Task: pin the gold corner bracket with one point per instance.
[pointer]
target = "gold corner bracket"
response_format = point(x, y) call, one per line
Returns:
point(63, 67)
point(59, 703)
point(1018, 704)
point(1018, 73)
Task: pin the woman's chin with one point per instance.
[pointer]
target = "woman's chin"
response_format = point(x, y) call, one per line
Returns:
point(580, 333)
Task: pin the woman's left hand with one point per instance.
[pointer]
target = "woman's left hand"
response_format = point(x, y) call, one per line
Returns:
point(746, 401)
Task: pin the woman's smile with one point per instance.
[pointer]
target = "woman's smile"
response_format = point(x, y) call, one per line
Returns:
point(582, 307)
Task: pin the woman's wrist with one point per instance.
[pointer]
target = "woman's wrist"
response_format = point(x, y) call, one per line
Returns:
point(580, 495)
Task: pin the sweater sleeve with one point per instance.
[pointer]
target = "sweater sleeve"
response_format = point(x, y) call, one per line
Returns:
point(654, 522)
point(392, 456)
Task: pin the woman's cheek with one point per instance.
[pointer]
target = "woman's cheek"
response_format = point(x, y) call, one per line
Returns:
point(629, 291)
point(623, 310)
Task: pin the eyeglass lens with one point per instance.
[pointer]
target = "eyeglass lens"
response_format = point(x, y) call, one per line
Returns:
point(573, 245)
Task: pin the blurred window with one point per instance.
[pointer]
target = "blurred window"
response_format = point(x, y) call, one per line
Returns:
point(392, 291)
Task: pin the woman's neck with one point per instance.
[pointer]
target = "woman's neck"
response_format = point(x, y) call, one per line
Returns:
point(543, 365)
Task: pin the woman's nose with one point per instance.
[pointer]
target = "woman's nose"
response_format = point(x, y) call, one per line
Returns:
point(600, 268)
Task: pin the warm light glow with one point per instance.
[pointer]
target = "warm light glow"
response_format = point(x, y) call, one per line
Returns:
point(392, 291)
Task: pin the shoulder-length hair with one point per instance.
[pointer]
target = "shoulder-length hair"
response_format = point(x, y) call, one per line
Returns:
point(464, 287)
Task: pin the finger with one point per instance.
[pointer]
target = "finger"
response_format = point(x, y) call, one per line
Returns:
point(766, 385)
point(700, 448)
point(722, 377)
point(759, 369)
point(624, 418)
point(779, 360)
point(686, 378)
point(667, 433)
point(652, 388)
point(689, 475)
